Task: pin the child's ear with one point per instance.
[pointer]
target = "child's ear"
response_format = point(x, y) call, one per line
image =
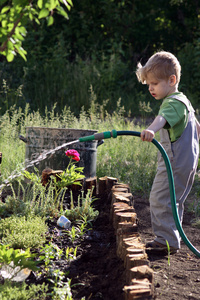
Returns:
point(172, 80)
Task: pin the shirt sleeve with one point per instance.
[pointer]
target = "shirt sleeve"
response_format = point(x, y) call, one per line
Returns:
point(173, 111)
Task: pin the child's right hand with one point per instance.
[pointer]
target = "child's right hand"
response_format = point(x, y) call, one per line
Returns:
point(147, 135)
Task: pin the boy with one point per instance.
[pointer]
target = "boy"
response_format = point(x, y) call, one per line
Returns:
point(179, 135)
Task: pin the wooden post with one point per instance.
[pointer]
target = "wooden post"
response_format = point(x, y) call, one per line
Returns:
point(110, 182)
point(103, 186)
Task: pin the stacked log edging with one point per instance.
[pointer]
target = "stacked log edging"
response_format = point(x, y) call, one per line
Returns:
point(139, 276)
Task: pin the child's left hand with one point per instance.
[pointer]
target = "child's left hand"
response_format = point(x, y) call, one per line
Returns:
point(147, 135)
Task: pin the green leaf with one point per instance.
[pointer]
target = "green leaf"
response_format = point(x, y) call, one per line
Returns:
point(30, 16)
point(53, 4)
point(62, 12)
point(22, 30)
point(4, 23)
point(5, 9)
point(18, 35)
point(23, 53)
point(10, 45)
point(70, 2)
point(50, 21)
point(43, 13)
point(37, 21)
point(10, 56)
point(40, 3)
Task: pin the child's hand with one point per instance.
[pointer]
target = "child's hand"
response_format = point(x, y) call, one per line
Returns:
point(147, 135)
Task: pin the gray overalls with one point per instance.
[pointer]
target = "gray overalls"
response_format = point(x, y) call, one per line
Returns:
point(183, 155)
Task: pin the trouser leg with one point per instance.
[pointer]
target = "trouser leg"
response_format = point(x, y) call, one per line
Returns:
point(163, 223)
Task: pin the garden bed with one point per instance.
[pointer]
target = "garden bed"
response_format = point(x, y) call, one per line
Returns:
point(98, 271)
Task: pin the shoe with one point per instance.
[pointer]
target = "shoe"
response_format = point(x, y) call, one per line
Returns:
point(158, 248)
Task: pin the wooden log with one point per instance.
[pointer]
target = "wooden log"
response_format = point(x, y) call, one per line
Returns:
point(117, 206)
point(121, 210)
point(129, 242)
point(140, 272)
point(121, 236)
point(133, 250)
point(124, 241)
point(123, 217)
point(91, 183)
point(126, 195)
point(103, 186)
point(135, 260)
point(139, 289)
point(123, 185)
point(145, 282)
point(124, 232)
point(110, 182)
point(127, 226)
point(119, 189)
point(47, 173)
point(119, 197)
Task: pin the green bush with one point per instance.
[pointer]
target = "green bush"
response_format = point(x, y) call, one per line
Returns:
point(22, 233)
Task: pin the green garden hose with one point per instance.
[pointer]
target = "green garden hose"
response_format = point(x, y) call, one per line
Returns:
point(114, 134)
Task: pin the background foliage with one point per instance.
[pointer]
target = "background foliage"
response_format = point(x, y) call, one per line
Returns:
point(99, 47)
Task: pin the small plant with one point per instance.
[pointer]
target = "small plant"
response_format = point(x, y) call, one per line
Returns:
point(72, 173)
point(84, 209)
point(22, 233)
point(73, 234)
point(16, 260)
point(49, 253)
point(71, 253)
point(168, 251)
point(23, 291)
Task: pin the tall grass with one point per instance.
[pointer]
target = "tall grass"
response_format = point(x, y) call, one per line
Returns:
point(43, 82)
point(126, 157)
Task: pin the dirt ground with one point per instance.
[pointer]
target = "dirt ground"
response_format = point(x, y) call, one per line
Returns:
point(179, 277)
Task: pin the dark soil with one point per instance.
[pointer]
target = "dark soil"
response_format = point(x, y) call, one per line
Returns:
point(100, 274)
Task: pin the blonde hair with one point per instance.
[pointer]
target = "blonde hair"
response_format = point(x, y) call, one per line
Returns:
point(162, 65)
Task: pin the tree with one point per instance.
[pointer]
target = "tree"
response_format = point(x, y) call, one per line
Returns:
point(16, 14)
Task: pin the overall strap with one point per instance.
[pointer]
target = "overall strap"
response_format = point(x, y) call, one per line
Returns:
point(184, 100)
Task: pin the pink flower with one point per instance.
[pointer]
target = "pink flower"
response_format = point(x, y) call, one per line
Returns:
point(73, 154)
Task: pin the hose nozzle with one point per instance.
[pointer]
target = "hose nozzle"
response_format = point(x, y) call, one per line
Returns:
point(99, 136)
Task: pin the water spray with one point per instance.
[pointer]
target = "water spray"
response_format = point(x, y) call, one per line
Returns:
point(114, 134)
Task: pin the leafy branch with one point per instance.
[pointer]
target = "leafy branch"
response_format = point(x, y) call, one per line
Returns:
point(14, 17)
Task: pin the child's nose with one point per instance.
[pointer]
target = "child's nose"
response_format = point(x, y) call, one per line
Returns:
point(150, 88)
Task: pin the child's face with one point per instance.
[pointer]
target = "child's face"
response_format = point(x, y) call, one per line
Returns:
point(160, 89)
